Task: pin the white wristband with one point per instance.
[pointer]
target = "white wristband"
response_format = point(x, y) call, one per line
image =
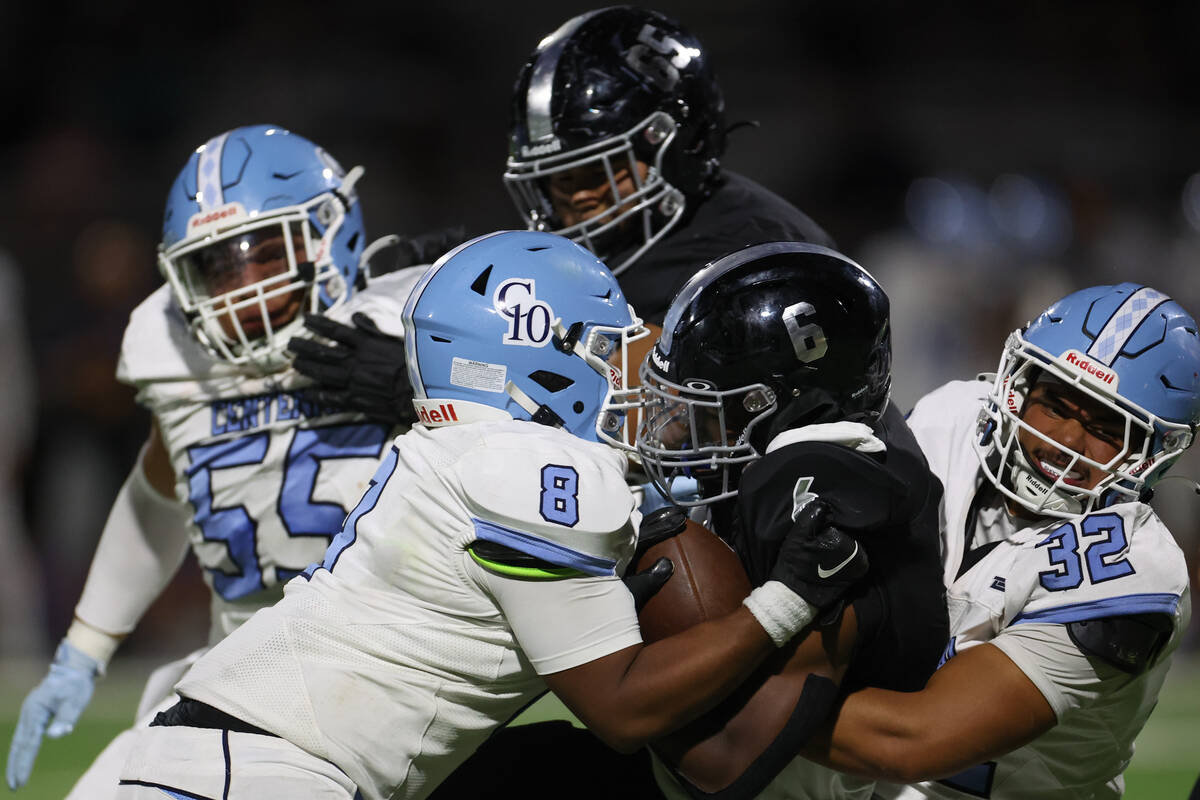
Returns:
point(92, 642)
point(780, 611)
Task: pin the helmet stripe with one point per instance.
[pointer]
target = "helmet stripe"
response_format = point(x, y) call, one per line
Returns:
point(1123, 323)
point(541, 80)
point(208, 173)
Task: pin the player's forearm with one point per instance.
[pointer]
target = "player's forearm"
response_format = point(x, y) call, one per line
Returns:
point(141, 547)
point(976, 707)
point(877, 734)
point(673, 681)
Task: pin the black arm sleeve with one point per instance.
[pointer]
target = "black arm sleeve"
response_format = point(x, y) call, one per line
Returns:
point(816, 701)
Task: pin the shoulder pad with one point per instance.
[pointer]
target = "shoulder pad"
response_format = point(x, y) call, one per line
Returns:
point(551, 496)
point(1130, 643)
point(945, 404)
point(158, 346)
point(383, 300)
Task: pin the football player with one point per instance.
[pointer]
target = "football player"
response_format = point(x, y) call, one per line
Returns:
point(261, 228)
point(1067, 594)
point(616, 133)
point(481, 566)
point(615, 138)
point(770, 385)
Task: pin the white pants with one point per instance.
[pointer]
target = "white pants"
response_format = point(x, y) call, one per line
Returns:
point(100, 780)
point(204, 764)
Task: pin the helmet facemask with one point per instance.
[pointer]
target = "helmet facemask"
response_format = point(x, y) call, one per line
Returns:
point(246, 285)
point(1146, 446)
point(644, 216)
point(698, 431)
point(605, 348)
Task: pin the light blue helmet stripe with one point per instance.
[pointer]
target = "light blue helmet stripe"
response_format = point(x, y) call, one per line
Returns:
point(541, 81)
point(1123, 323)
point(208, 173)
point(716, 269)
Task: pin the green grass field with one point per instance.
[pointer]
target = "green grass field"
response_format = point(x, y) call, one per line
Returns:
point(1165, 767)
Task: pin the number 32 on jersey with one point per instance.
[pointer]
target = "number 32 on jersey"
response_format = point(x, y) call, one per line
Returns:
point(1098, 543)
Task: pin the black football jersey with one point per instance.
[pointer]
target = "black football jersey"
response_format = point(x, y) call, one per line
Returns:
point(739, 212)
point(889, 503)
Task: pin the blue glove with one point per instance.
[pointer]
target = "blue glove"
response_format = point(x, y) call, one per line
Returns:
point(56, 702)
point(686, 489)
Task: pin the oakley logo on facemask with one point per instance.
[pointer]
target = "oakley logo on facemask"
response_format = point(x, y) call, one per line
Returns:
point(808, 340)
point(659, 59)
point(529, 317)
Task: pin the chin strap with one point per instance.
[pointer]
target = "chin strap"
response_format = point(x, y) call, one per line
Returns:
point(539, 413)
point(1034, 488)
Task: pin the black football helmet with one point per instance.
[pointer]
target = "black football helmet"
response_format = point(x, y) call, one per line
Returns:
point(607, 89)
point(771, 337)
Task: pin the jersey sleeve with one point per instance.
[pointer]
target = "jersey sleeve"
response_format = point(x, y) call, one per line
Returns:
point(1115, 562)
point(567, 506)
point(562, 624)
point(1066, 677)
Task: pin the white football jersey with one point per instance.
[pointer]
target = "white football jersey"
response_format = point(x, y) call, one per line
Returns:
point(1020, 596)
point(398, 656)
point(268, 475)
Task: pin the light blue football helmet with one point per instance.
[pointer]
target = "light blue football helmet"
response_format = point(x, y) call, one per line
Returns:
point(1131, 348)
point(525, 325)
point(260, 225)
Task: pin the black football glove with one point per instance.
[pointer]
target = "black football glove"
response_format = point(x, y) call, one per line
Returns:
point(361, 370)
point(645, 584)
point(819, 566)
point(657, 526)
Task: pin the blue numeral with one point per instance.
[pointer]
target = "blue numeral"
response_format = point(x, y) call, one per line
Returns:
point(1100, 569)
point(560, 495)
point(231, 525)
point(300, 514)
point(349, 532)
point(1064, 552)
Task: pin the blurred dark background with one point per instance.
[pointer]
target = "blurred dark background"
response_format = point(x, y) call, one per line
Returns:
point(981, 159)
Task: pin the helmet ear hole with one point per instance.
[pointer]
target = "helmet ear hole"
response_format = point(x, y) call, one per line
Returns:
point(552, 382)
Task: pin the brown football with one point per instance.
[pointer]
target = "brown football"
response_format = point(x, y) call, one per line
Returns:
point(708, 582)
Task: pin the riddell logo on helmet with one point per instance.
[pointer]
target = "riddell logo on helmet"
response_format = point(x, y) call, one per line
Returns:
point(1011, 399)
point(659, 361)
point(441, 415)
point(1142, 467)
point(1084, 364)
point(541, 149)
point(215, 218)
